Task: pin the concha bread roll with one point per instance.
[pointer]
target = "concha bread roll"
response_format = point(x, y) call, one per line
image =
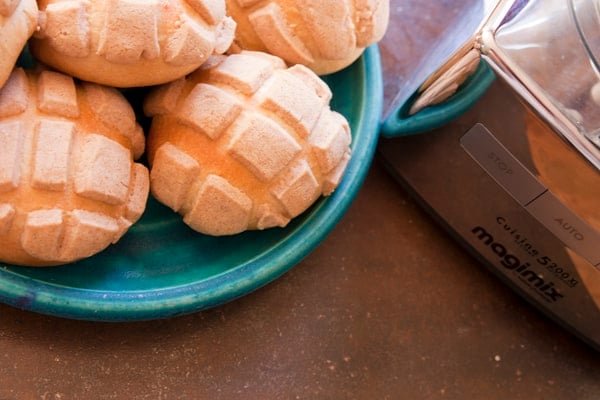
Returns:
point(244, 143)
point(68, 184)
point(128, 43)
point(325, 35)
point(18, 20)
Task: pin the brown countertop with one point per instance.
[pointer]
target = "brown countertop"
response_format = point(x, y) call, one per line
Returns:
point(387, 307)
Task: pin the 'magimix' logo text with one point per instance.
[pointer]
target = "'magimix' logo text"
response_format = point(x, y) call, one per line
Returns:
point(524, 271)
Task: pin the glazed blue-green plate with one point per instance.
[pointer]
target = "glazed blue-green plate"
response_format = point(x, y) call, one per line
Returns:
point(161, 268)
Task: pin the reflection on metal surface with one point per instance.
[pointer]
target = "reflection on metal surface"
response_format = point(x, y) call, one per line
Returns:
point(444, 86)
point(457, 36)
point(536, 198)
point(503, 166)
point(491, 215)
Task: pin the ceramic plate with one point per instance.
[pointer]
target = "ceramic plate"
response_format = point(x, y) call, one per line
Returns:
point(161, 268)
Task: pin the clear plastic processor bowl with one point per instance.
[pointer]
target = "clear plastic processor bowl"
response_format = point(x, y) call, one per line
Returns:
point(556, 43)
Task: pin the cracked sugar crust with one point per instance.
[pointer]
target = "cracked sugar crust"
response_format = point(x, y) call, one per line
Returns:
point(244, 143)
point(325, 35)
point(18, 20)
point(68, 184)
point(128, 43)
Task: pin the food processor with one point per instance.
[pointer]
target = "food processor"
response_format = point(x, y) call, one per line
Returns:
point(521, 192)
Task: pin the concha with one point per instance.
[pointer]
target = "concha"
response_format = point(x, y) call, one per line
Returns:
point(325, 35)
point(18, 21)
point(69, 186)
point(244, 143)
point(129, 43)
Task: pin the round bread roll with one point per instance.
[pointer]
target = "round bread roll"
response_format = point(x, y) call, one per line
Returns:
point(18, 20)
point(68, 184)
point(129, 43)
point(325, 35)
point(244, 143)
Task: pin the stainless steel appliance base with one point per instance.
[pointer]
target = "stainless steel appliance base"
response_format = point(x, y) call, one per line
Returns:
point(488, 183)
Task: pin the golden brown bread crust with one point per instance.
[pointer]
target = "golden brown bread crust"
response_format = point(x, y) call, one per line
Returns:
point(68, 183)
point(244, 143)
point(325, 35)
point(127, 43)
point(18, 20)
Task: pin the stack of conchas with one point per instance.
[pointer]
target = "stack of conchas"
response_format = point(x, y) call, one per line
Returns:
point(241, 136)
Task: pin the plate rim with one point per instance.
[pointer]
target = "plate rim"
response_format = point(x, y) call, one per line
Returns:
point(64, 301)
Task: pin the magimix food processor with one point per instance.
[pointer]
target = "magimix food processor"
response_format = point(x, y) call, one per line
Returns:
point(521, 191)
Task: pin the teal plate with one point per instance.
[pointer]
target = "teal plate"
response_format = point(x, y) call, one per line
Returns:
point(162, 269)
